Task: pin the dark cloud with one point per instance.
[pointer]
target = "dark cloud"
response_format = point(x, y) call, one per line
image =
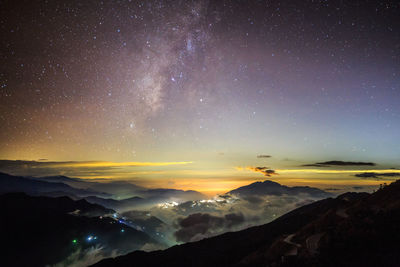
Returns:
point(314, 165)
point(263, 156)
point(32, 168)
point(264, 170)
point(338, 163)
point(51, 168)
point(376, 176)
point(200, 225)
point(366, 175)
point(80, 169)
point(346, 163)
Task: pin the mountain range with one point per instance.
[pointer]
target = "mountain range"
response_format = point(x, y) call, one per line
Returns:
point(353, 229)
point(58, 210)
point(29, 185)
point(108, 194)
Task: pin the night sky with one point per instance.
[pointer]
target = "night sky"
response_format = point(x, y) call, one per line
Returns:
point(197, 94)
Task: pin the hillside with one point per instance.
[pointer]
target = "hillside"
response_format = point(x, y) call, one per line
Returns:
point(47, 230)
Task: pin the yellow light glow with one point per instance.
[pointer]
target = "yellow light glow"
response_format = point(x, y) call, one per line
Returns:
point(91, 164)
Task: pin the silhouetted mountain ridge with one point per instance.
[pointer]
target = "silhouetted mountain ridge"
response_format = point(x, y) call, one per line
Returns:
point(56, 179)
point(9, 183)
point(268, 187)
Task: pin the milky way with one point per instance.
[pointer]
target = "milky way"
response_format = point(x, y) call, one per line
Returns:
point(200, 81)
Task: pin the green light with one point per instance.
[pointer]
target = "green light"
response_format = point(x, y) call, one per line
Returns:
point(74, 241)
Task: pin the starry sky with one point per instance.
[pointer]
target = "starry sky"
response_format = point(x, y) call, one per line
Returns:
point(198, 94)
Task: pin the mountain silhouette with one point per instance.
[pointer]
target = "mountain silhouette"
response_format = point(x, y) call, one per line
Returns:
point(29, 185)
point(272, 188)
point(126, 194)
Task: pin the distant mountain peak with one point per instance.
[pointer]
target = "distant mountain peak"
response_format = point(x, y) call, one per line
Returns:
point(269, 187)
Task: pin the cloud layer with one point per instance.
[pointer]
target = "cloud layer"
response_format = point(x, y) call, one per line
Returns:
point(200, 225)
point(377, 176)
point(339, 163)
point(76, 168)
